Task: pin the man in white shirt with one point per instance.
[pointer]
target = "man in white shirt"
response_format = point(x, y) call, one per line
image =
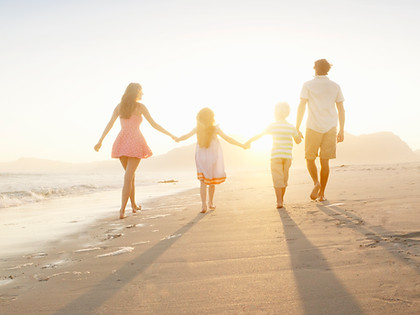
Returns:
point(324, 99)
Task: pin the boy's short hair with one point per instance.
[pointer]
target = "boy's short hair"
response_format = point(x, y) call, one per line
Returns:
point(322, 66)
point(281, 110)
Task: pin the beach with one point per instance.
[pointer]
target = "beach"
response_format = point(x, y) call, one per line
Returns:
point(356, 253)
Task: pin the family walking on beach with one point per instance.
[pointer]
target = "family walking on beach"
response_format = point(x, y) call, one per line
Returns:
point(323, 98)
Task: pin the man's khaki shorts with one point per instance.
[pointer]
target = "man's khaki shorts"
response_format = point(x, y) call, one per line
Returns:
point(324, 143)
point(280, 172)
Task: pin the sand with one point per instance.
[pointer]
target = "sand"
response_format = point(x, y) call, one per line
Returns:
point(357, 253)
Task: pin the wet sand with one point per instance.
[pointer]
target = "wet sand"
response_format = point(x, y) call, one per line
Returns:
point(357, 253)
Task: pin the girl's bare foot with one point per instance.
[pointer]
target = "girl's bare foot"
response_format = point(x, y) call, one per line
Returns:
point(315, 191)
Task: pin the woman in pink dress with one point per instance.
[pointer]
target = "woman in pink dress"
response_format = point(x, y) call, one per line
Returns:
point(130, 146)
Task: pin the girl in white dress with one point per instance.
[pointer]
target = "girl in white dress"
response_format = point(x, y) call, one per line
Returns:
point(209, 155)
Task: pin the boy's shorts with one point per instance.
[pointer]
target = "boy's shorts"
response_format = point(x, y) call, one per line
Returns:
point(325, 143)
point(280, 172)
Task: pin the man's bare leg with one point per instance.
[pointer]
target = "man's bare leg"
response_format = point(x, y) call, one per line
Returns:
point(313, 171)
point(325, 172)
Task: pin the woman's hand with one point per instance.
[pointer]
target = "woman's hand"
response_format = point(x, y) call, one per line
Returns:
point(97, 146)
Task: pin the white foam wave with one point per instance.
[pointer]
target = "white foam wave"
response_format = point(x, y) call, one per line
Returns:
point(120, 251)
point(17, 198)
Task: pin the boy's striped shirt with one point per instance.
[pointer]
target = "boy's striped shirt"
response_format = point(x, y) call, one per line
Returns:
point(283, 133)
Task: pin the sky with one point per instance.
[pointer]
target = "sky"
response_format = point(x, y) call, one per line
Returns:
point(65, 65)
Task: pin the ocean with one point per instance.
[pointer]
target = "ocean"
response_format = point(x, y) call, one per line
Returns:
point(21, 188)
point(37, 208)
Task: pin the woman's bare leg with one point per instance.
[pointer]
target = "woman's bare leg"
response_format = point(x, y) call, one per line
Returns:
point(203, 195)
point(134, 206)
point(130, 169)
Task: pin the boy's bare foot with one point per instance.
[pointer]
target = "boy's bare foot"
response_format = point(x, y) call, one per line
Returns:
point(315, 191)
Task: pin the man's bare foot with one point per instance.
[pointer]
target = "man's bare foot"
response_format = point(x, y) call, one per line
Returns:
point(315, 191)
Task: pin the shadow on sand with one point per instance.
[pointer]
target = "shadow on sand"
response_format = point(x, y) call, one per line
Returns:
point(105, 289)
point(377, 234)
point(320, 290)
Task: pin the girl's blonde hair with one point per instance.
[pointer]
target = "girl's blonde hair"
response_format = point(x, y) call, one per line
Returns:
point(129, 100)
point(205, 127)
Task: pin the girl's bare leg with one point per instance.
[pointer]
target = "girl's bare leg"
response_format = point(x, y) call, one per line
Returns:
point(212, 189)
point(203, 195)
point(134, 206)
point(131, 166)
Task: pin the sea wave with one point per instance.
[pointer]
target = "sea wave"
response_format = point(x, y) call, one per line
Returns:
point(17, 198)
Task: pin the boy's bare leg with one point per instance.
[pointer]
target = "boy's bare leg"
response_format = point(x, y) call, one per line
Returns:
point(212, 189)
point(325, 172)
point(279, 196)
point(313, 171)
point(203, 195)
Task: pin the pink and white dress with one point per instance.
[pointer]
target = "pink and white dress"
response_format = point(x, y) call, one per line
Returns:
point(130, 141)
point(210, 164)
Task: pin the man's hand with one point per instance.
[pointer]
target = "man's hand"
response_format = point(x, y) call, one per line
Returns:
point(340, 136)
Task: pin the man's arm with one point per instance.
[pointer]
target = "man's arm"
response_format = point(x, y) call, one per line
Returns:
point(300, 114)
point(341, 121)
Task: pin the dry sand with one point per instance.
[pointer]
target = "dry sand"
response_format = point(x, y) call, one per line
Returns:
point(357, 253)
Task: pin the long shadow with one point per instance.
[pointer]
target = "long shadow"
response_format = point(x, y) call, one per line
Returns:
point(105, 289)
point(379, 235)
point(320, 290)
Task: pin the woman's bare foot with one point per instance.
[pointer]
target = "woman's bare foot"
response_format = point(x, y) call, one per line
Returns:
point(122, 215)
point(212, 207)
point(315, 191)
point(280, 206)
point(204, 210)
point(136, 208)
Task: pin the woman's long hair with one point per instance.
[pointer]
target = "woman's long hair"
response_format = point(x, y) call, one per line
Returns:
point(205, 127)
point(129, 100)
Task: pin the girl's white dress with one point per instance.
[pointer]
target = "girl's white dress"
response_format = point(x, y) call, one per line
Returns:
point(209, 162)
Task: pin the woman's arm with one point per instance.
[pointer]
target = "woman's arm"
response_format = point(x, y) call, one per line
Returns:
point(229, 139)
point(154, 124)
point(187, 135)
point(107, 128)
